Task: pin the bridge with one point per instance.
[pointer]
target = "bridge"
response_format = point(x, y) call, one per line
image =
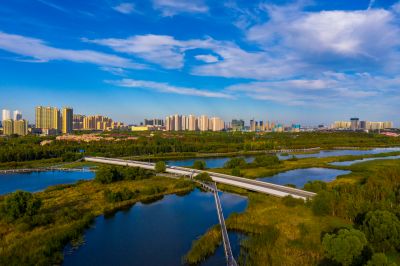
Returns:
point(44, 169)
point(249, 184)
point(253, 185)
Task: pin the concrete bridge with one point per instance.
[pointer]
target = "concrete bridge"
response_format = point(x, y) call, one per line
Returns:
point(249, 184)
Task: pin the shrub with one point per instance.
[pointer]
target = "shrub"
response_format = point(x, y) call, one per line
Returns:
point(315, 186)
point(236, 171)
point(235, 162)
point(160, 167)
point(118, 196)
point(205, 177)
point(322, 203)
point(344, 246)
point(289, 201)
point(20, 204)
point(379, 259)
point(266, 160)
point(200, 165)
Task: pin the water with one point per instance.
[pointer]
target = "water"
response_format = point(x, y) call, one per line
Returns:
point(348, 163)
point(159, 233)
point(37, 181)
point(216, 162)
point(299, 177)
point(331, 153)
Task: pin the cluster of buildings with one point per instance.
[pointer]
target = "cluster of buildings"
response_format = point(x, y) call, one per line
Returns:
point(355, 124)
point(15, 124)
point(193, 123)
point(53, 121)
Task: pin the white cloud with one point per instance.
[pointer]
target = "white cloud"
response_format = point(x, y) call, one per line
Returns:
point(173, 7)
point(38, 51)
point(166, 88)
point(125, 8)
point(322, 36)
point(208, 58)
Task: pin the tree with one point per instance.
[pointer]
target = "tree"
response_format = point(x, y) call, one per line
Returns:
point(344, 246)
point(104, 175)
point(20, 204)
point(315, 186)
point(235, 162)
point(200, 165)
point(266, 160)
point(205, 177)
point(160, 167)
point(323, 203)
point(380, 259)
point(382, 229)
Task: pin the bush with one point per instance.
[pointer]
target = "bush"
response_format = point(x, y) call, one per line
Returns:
point(315, 186)
point(235, 162)
point(204, 177)
point(118, 196)
point(382, 229)
point(289, 201)
point(160, 167)
point(20, 204)
point(199, 165)
point(322, 203)
point(266, 160)
point(344, 246)
point(236, 171)
point(379, 259)
point(107, 174)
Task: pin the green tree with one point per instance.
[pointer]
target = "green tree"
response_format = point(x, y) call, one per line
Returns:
point(323, 203)
point(344, 246)
point(205, 177)
point(236, 171)
point(382, 229)
point(160, 167)
point(266, 160)
point(104, 175)
point(380, 259)
point(315, 186)
point(199, 164)
point(20, 204)
point(235, 162)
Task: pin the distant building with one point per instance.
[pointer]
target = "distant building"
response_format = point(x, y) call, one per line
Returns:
point(354, 123)
point(237, 125)
point(8, 127)
point(252, 125)
point(48, 118)
point(17, 115)
point(5, 114)
point(203, 123)
point(67, 120)
point(77, 122)
point(21, 127)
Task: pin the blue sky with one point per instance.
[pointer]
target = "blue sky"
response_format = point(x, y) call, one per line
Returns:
point(305, 61)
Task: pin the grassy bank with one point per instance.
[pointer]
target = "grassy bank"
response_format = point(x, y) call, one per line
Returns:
point(66, 211)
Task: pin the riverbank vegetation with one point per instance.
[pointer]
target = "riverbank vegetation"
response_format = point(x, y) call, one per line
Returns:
point(161, 144)
point(347, 223)
point(35, 234)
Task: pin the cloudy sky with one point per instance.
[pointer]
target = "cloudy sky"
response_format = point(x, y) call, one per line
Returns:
point(305, 61)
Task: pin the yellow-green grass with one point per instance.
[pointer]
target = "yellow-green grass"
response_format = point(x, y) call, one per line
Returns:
point(275, 234)
point(70, 209)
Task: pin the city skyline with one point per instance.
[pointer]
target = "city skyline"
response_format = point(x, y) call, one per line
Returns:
point(278, 60)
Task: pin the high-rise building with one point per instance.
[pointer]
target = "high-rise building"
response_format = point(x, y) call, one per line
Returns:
point(354, 123)
point(77, 122)
point(203, 123)
point(217, 124)
point(170, 123)
point(252, 125)
point(192, 123)
point(21, 127)
point(8, 127)
point(5, 114)
point(178, 122)
point(17, 115)
point(48, 118)
point(67, 120)
point(237, 125)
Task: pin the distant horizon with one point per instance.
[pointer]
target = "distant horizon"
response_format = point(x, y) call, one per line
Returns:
point(281, 60)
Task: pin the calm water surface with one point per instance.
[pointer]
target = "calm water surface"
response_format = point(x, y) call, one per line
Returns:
point(159, 233)
point(218, 162)
point(37, 181)
point(347, 163)
point(299, 177)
